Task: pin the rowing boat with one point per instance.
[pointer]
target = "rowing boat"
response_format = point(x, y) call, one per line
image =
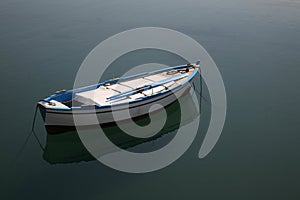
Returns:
point(106, 100)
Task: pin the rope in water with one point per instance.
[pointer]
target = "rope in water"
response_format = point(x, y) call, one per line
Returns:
point(32, 128)
point(200, 93)
point(29, 135)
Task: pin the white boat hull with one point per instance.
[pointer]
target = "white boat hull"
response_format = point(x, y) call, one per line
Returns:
point(104, 115)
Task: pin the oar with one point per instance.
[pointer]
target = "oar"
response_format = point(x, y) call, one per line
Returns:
point(146, 87)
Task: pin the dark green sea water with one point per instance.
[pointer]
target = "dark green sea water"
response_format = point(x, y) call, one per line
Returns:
point(256, 45)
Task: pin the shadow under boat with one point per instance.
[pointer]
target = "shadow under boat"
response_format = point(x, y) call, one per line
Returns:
point(66, 147)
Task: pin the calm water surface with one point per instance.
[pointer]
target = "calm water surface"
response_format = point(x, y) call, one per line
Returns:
point(256, 45)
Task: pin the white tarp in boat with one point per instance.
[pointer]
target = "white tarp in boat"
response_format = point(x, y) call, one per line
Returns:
point(135, 83)
point(119, 88)
point(97, 96)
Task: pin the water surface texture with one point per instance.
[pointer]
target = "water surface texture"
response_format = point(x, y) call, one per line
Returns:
point(256, 45)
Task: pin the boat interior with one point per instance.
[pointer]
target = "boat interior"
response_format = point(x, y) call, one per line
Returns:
point(100, 96)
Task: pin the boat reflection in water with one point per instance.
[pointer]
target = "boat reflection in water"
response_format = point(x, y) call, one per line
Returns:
point(66, 147)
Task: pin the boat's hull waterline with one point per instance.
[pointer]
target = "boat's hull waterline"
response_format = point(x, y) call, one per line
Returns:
point(108, 102)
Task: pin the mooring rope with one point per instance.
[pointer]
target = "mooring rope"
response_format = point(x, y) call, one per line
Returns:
point(200, 93)
point(29, 135)
point(200, 89)
point(33, 125)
